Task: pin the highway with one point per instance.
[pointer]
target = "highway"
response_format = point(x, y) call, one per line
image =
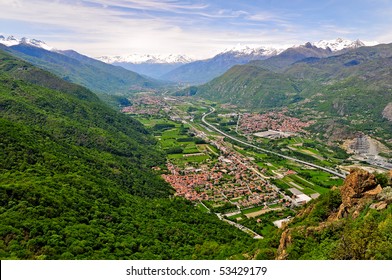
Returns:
point(212, 110)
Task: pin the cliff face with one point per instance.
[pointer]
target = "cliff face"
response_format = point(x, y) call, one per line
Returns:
point(360, 189)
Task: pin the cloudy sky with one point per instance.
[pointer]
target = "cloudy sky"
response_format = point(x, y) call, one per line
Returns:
point(198, 28)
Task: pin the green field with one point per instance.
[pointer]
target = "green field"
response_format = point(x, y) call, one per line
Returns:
point(251, 210)
point(179, 143)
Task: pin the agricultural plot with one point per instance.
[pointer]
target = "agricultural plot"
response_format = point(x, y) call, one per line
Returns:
point(176, 140)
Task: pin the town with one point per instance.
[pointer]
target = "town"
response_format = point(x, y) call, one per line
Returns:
point(278, 121)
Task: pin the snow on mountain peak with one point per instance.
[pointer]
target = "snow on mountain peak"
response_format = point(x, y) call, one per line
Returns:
point(8, 41)
point(12, 41)
point(146, 58)
point(340, 44)
point(252, 50)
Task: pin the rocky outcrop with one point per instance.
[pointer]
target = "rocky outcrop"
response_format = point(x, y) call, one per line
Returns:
point(285, 241)
point(358, 188)
point(387, 112)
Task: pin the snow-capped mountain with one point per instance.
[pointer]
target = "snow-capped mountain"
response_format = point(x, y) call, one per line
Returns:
point(245, 50)
point(340, 44)
point(202, 71)
point(9, 41)
point(12, 41)
point(146, 58)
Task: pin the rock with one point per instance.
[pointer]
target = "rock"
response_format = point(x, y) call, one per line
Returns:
point(374, 191)
point(379, 205)
point(387, 112)
point(359, 184)
point(356, 184)
point(285, 241)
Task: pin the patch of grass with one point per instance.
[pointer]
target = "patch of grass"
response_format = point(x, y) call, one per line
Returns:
point(251, 210)
point(202, 208)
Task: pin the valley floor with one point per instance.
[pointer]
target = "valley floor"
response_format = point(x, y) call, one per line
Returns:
point(239, 180)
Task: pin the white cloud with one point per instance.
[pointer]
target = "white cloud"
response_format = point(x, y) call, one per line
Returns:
point(103, 27)
point(99, 30)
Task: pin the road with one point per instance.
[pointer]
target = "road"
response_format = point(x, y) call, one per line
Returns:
point(212, 110)
point(241, 227)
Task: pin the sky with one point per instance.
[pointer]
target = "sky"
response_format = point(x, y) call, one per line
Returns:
point(199, 29)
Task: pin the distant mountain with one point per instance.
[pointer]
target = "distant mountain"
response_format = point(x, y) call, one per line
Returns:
point(291, 55)
point(310, 51)
point(341, 44)
point(146, 58)
point(153, 70)
point(202, 71)
point(139, 81)
point(367, 62)
point(181, 69)
point(150, 65)
point(100, 77)
point(199, 72)
point(12, 41)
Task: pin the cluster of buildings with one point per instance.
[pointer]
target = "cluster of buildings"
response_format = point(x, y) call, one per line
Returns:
point(145, 105)
point(274, 121)
point(230, 179)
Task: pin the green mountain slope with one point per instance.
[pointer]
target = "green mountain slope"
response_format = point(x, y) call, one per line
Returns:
point(76, 181)
point(99, 77)
point(250, 86)
point(354, 87)
point(365, 62)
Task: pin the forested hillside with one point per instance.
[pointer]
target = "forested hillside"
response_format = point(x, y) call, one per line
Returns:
point(253, 87)
point(76, 181)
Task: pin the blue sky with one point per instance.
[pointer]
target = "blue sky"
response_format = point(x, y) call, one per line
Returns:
point(196, 28)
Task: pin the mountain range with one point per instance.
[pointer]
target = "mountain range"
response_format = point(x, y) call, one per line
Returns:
point(341, 44)
point(202, 71)
point(102, 78)
point(182, 70)
point(146, 58)
point(150, 65)
point(12, 41)
point(173, 68)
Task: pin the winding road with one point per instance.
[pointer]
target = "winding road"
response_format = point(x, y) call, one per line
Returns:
point(212, 110)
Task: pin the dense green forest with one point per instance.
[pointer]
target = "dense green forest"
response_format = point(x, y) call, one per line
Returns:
point(76, 181)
